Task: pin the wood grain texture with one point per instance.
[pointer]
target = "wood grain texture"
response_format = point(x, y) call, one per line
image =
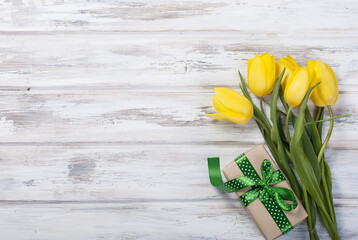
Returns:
point(175, 61)
point(120, 116)
point(267, 17)
point(127, 172)
point(221, 219)
point(102, 127)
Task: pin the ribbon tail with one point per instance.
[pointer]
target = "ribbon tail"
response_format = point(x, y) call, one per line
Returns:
point(282, 195)
point(232, 185)
point(214, 172)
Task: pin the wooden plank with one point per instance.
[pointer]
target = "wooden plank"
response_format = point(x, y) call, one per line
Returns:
point(102, 126)
point(173, 62)
point(127, 173)
point(273, 17)
point(223, 219)
point(110, 116)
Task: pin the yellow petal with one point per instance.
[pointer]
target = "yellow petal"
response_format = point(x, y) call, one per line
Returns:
point(228, 116)
point(218, 105)
point(256, 77)
point(270, 65)
point(329, 87)
point(249, 62)
point(317, 100)
point(290, 64)
point(297, 87)
point(286, 76)
point(311, 68)
point(232, 101)
point(326, 93)
point(261, 74)
point(315, 96)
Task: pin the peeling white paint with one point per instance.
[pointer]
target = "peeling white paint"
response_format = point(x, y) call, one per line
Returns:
point(102, 103)
point(7, 127)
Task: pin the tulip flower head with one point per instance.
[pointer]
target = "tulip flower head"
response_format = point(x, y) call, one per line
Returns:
point(290, 64)
point(297, 86)
point(231, 106)
point(326, 93)
point(261, 74)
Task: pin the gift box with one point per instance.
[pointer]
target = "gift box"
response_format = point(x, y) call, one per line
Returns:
point(268, 199)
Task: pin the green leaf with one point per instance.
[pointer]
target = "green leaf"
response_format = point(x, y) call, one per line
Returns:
point(325, 173)
point(276, 139)
point(301, 162)
point(244, 88)
point(311, 209)
point(327, 176)
point(305, 141)
point(327, 225)
point(269, 143)
point(320, 117)
point(315, 137)
point(284, 103)
point(313, 146)
point(326, 186)
point(281, 130)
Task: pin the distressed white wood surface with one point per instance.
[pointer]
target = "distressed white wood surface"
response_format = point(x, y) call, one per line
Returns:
point(102, 102)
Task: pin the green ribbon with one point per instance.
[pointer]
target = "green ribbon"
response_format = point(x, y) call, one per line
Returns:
point(273, 198)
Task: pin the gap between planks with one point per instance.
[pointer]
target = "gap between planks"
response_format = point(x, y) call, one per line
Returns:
point(344, 89)
point(338, 202)
point(339, 144)
point(212, 32)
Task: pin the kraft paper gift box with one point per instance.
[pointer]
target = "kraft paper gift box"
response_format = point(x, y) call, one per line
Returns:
point(256, 209)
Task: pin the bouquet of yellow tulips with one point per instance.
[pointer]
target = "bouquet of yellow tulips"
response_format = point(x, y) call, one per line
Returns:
point(301, 150)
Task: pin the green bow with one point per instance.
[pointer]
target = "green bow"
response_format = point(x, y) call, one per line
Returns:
point(273, 198)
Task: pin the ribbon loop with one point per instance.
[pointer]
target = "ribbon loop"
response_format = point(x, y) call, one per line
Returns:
point(266, 170)
point(247, 198)
point(282, 195)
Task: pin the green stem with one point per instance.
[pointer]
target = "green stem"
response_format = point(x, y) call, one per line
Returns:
point(307, 207)
point(328, 119)
point(328, 228)
point(331, 225)
point(311, 227)
point(270, 106)
point(287, 130)
point(320, 112)
point(320, 154)
point(329, 200)
point(262, 107)
point(317, 143)
point(262, 125)
point(319, 117)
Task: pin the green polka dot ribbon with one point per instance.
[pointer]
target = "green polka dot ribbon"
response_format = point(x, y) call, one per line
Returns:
point(273, 198)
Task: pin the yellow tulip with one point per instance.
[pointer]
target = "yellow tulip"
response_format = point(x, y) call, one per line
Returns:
point(297, 86)
point(290, 64)
point(326, 93)
point(231, 106)
point(261, 74)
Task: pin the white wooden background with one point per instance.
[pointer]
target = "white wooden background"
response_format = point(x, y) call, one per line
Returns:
point(102, 102)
